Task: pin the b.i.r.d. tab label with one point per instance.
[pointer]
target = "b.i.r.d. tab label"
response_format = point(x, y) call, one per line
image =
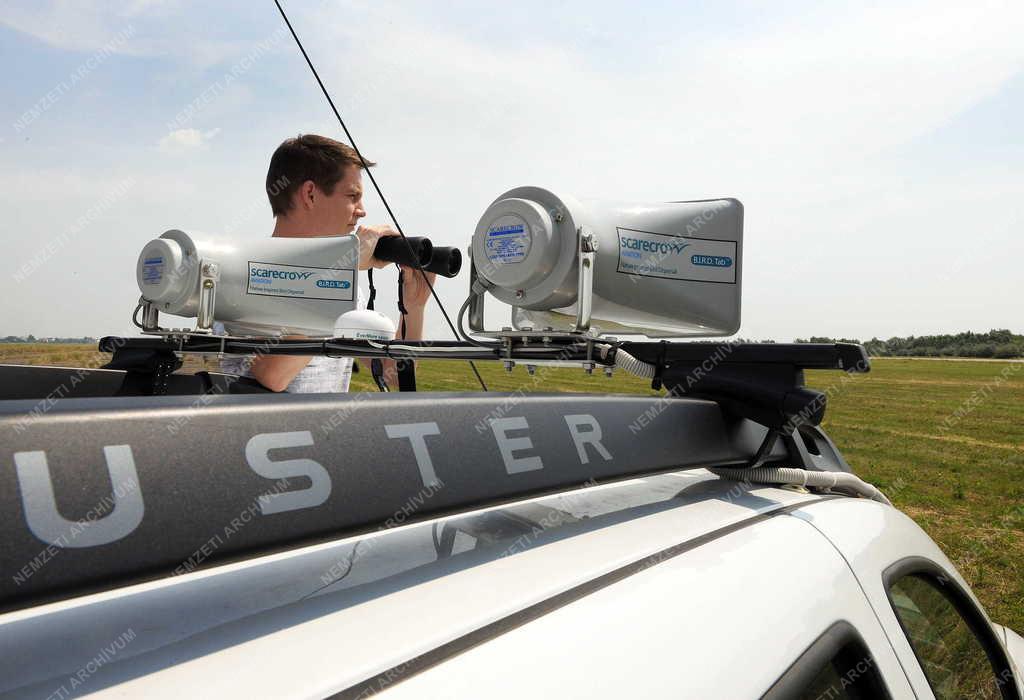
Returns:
point(651, 254)
point(300, 282)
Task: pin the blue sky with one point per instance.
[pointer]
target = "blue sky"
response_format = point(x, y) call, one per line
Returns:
point(876, 147)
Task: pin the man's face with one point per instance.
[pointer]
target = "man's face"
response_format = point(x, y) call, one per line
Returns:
point(342, 210)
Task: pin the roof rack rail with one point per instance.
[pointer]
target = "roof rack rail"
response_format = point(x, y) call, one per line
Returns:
point(763, 382)
point(760, 381)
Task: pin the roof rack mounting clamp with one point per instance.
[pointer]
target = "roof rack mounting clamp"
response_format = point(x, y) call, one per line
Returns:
point(659, 367)
point(808, 448)
point(146, 369)
point(770, 394)
point(811, 449)
point(761, 456)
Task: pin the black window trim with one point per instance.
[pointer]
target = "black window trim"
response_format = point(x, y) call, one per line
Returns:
point(801, 672)
point(976, 621)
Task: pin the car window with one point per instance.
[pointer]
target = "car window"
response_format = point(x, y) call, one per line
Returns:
point(837, 665)
point(952, 657)
point(851, 673)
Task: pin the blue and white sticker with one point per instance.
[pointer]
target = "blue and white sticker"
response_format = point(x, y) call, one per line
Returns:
point(675, 257)
point(152, 270)
point(298, 282)
point(508, 240)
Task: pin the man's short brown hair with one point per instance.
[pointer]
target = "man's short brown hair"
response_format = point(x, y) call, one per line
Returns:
point(307, 157)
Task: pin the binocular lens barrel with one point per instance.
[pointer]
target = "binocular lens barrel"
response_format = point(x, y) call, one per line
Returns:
point(417, 251)
point(446, 261)
point(410, 251)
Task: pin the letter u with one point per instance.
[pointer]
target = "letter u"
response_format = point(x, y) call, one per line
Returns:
point(49, 525)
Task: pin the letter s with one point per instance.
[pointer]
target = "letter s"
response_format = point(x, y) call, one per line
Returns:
point(46, 522)
point(256, 455)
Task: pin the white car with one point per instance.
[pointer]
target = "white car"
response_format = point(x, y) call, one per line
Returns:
point(462, 545)
point(679, 583)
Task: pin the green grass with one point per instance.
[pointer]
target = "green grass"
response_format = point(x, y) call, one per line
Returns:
point(960, 477)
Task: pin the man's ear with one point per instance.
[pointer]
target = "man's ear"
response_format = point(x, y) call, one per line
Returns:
point(307, 194)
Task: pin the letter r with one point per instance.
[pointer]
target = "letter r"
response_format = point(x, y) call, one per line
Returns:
point(591, 436)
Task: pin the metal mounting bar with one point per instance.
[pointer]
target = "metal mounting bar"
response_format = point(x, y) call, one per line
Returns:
point(150, 316)
point(476, 304)
point(586, 247)
point(209, 276)
point(758, 362)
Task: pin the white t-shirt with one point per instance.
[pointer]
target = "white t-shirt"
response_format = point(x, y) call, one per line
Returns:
point(323, 375)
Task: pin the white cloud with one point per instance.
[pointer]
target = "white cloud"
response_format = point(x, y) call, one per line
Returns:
point(186, 140)
point(78, 25)
point(79, 188)
point(152, 28)
point(855, 82)
point(803, 120)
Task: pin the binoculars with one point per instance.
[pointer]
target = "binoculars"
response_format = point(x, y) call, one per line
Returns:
point(418, 251)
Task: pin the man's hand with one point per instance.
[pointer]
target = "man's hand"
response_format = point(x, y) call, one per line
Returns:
point(368, 237)
point(415, 291)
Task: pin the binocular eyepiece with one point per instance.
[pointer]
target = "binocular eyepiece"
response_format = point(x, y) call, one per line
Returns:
point(418, 251)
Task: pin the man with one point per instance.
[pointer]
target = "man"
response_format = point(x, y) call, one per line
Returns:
point(315, 188)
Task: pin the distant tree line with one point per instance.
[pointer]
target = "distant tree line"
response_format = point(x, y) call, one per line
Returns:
point(32, 339)
point(995, 344)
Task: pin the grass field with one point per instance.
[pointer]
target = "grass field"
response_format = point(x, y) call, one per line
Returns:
point(944, 439)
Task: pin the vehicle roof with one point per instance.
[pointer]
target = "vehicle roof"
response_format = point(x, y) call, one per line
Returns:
point(322, 625)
